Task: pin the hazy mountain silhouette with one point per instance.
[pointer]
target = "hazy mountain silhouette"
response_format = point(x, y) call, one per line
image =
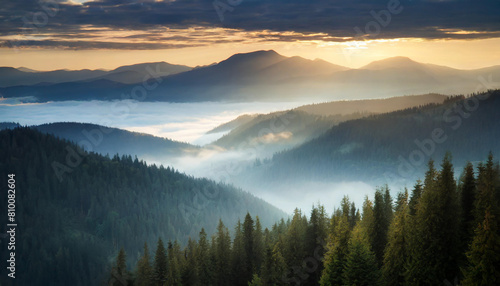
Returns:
point(394, 146)
point(125, 74)
point(106, 140)
point(277, 131)
point(263, 76)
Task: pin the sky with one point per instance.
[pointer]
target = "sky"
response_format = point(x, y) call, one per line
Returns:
point(69, 34)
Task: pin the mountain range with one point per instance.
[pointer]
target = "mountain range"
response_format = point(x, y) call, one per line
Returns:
point(392, 147)
point(73, 225)
point(255, 76)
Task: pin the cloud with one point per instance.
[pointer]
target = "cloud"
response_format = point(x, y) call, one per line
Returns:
point(324, 20)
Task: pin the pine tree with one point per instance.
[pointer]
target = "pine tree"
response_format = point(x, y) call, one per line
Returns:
point(274, 266)
point(119, 274)
point(248, 244)
point(381, 223)
point(144, 273)
point(160, 264)
point(222, 256)
point(238, 257)
point(467, 192)
point(434, 244)
point(256, 281)
point(258, 243)
point(174, 277)
point(416, 193)
point(121, 263)
point(360, 264)
point(316, 237)
point(294, 251)
point(484, 254)
point(204, 263)
point(396, 252)
point(487, 191)
point(190, 272)
point(367, 222)
point(337, 251)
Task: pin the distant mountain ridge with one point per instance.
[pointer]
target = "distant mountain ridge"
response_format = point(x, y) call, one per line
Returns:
point(262, 76)
point(289, 128)
point(382, 147)
point(125, 74)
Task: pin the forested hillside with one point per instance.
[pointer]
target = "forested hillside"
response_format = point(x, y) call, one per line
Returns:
point(107, 140)
point(76, 209)
point(395, 146)
point(442, 232)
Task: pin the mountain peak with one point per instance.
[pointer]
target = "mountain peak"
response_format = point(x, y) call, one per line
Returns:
point(258, 59)
point(393, 62)
point(256, 54)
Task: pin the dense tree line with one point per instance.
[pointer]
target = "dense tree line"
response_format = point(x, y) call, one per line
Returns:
point(441, 232)
point(392, 146)
point(70, 230)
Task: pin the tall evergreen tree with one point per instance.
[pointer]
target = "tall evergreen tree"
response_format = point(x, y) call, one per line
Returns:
point(144, 273)
point(121, 262)
point(416, 193)
point(381, 223)
point(294, 251)
point(258, 246)
point(248, 244)
point(396, 252)
point(360, 263)
point(367, 222)
point(160, 264)
point(222, 255)
point(316, 237)
point(484, 254)
point(337, 251)
point(238, 258)
point(190, 271)
point(435, 242)
point(175, 264)
point(487, 191)
point(467, 188)
point(274, 266)
point(204, 261)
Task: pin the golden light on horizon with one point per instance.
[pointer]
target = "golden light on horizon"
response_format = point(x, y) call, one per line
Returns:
point(201, 46)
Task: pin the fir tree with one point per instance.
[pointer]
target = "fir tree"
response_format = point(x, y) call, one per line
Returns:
point(396, 252)
point(160, 264)
point(238, 257)
point(274, 266)
point(222, 255)
point(381, 216)
point(144, 273)
point(416, 193)
point(360, 264)
point(484, 254)
point(258, 249)
point(204, 263)
point(248, 244)
point(337, 251)
point(435, 243)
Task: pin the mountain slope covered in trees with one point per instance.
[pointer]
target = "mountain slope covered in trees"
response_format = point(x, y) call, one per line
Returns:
point(277, 131)
point(75, 209)
point(443, 232)
point(394, 146)
point(107, 140)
